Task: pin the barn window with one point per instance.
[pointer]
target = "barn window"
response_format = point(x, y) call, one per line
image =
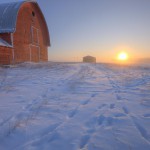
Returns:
point(33, 13)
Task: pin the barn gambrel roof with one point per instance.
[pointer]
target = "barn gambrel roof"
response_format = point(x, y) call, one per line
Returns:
point(88, 56)
point(8, 16)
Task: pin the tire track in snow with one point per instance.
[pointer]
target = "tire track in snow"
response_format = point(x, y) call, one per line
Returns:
point(80, 75)
point(75, 82)
point(84, 72)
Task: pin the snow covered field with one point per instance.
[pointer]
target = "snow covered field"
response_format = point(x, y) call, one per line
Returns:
point(62, 106)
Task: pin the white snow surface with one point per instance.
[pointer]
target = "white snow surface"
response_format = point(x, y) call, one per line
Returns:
point(74, 106)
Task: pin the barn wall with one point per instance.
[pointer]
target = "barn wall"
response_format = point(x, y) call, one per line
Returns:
point(89, 59)
point(30, 36)
point(6, 52)
point(6, 55)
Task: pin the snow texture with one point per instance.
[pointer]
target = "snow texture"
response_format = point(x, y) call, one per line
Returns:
point(74, 106)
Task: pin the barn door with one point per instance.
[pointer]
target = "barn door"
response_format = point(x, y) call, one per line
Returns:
point(35, 35)
point(35, 53)
point(34, 47)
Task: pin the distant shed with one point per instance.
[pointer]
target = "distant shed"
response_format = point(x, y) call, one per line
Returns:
point(24, 34)
point(89, 59)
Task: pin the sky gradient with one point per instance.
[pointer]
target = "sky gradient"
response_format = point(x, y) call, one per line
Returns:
point(100, 28)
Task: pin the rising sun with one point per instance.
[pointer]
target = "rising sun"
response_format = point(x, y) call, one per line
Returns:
point(122, 56)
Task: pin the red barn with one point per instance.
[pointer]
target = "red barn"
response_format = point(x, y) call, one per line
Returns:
point(24, 34)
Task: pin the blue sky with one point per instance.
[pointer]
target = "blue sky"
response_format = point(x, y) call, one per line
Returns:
point(100, 28)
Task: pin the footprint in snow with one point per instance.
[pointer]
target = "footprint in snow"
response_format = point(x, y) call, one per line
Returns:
point(93, 95)
point(52, 89)
point(107, 121)
point(118, 97)
point(119, 115)
point(84, 141)
point(101, 119)
point(85, 102)
point(101, 106)
point(146, 115)
point(72, 113)
point(90, 124)
point(126, 111)
point(112, 106)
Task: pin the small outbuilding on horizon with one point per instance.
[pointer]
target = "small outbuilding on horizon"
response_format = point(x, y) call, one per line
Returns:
point(89, 59)
point(24, 34)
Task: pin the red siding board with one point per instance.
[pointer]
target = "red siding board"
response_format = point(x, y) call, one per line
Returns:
point(5, 55)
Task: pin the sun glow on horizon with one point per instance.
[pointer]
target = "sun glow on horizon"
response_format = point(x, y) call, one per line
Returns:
point(122, 56)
